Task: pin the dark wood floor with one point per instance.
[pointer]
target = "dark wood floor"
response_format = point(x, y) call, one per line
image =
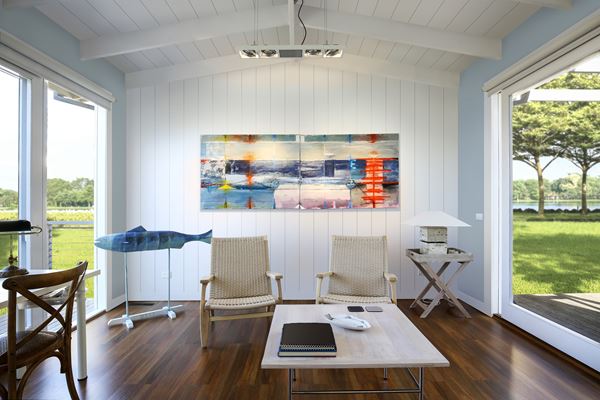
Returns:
point(162, 359)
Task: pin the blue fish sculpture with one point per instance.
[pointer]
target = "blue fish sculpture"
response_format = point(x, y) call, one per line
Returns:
point(139, 239)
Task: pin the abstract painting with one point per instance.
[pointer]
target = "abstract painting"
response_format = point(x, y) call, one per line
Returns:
point(278, 171)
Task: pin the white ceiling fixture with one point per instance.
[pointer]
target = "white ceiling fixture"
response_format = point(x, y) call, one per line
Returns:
point(325, 50)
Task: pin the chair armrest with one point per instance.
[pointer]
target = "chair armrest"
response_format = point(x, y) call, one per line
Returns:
point(206, 279)
point(275, 275)
point(392, 279)
point(321, 275)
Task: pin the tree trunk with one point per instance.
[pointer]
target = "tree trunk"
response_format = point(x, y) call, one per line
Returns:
point(540, 177)
point(584, 208)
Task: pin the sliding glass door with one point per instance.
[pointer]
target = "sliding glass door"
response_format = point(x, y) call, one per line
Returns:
point(72, 131)
point(13, 104)
point(551, 275)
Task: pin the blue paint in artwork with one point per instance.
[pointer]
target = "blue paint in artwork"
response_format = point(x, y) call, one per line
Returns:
point(139, 239)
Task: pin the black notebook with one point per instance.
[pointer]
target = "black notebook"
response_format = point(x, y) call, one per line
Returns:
point(307, 339)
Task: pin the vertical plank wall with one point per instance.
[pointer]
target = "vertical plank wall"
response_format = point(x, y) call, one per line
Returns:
point(164, 125)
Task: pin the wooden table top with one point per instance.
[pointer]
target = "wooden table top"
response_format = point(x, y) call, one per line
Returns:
point(41, 291)
point(391, 342)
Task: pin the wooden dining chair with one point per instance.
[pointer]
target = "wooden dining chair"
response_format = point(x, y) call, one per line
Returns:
point(30, 347)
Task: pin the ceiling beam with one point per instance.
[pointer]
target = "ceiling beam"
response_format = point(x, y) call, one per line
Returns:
point(348, 62)
point(400, 32)
point(24, 3)
point(182, 32)
point(195, 69)
point(560, 4)
point(407, 72)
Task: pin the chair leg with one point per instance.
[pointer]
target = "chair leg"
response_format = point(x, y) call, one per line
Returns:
point(70, 380)
point(12, 384)
point(69, 373)
point(204, 325)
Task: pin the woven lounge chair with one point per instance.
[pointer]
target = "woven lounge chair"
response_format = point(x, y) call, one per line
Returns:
point(358, 272)
point(239, 280)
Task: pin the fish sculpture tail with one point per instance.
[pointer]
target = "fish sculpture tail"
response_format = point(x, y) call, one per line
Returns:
point(205, 237)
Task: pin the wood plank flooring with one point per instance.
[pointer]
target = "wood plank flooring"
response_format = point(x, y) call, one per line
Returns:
point(162, 359)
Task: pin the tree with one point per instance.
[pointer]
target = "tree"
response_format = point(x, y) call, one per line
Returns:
point(567, 188)
point(8, 198)
point(537, 132)
point(582, 135)
point(520, 191)
point(581, 144)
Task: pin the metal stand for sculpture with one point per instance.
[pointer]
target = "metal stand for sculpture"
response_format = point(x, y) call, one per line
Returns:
point(169, 311)
point(138, 239)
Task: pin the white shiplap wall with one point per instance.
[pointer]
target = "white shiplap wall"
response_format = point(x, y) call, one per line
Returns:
point(165, 123)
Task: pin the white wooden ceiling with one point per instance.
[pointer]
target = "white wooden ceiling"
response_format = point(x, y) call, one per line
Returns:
point(441, 35)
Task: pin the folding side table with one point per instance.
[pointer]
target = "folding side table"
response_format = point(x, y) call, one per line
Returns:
point(423, 263)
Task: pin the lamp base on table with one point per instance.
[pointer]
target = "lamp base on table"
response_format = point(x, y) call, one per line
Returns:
point(12, 270)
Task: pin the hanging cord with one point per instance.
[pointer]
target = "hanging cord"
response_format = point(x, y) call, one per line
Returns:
point(325, 23)
point(255, 23)
point(302, 22)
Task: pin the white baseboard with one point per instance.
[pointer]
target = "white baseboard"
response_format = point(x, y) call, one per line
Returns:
point(113, 303)
point(473, 302)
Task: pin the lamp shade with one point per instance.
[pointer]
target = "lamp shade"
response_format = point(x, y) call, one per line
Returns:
point(435, 218)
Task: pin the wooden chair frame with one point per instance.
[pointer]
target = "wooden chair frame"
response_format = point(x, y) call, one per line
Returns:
point(390, 278)
point(207, 316)
point(62, 350)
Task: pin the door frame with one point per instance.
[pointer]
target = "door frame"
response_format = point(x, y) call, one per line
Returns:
point(499, 202)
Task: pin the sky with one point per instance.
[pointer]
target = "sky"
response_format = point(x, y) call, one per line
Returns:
point(71, 137)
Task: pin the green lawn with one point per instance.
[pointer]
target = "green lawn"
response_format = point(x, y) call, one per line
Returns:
point(69, 245)
point(556, 256)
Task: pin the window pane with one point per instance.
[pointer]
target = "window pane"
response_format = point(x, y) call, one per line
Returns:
point(71, 171)
point(9, 161)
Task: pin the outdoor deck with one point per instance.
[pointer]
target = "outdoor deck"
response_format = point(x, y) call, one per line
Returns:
point(579, 312)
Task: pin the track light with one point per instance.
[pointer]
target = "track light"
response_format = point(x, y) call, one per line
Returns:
point(269, 53)
point(248, 53)
point(332, 53)
point(291, 51)
point(313, 53)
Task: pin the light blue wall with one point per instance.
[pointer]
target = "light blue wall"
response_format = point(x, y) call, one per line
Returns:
point(40, 32)
point(533, 33)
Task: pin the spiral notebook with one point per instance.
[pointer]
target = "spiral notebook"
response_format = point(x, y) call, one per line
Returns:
point(307, 339)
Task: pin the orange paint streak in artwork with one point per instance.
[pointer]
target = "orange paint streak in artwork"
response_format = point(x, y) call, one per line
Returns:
point(374, 181)
point(249, 175)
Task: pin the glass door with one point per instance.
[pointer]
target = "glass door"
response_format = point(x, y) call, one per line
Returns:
point(71, 160)
point(551, 281)
point(12, 104)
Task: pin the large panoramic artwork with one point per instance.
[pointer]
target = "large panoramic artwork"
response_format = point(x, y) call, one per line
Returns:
point(299, 171)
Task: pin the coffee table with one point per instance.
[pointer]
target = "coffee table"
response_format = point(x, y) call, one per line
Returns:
point(391, 342)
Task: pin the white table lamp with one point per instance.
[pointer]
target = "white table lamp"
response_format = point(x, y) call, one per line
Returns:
point(434, 230)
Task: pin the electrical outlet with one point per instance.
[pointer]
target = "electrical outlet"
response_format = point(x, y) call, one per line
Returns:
point(479, 216)
point(165, 275)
